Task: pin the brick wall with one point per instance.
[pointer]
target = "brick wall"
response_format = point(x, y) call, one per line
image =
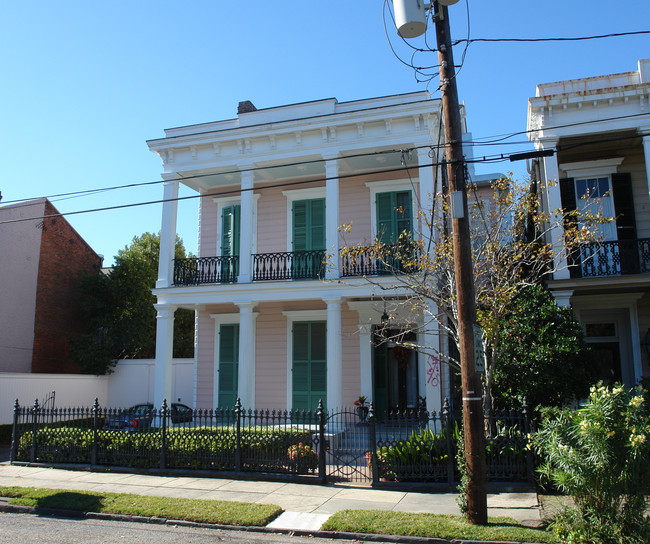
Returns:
point(65, 257)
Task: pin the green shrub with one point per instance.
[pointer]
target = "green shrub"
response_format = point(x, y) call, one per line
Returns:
point(599, 455)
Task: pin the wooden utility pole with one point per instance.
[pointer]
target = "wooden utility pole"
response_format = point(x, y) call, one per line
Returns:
point(473, 420)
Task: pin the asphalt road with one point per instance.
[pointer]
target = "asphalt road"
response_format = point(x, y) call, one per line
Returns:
point(47, 530)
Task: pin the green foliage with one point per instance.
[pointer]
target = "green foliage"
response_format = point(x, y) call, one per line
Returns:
point(206, 448)
point(302, 458)
point(543, 356)
point(119, 311)
point(599, 456)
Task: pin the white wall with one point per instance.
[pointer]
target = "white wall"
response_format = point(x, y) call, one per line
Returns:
point(72, 390)
point(131, 383)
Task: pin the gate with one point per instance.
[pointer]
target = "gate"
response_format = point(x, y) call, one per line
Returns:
point(348, 440)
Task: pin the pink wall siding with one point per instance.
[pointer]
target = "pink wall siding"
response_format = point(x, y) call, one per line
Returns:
point(272, 221)
point(271, 357)
point(351, 355)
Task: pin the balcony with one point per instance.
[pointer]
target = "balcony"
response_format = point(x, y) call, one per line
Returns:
point(617, 258)
point(293, 265)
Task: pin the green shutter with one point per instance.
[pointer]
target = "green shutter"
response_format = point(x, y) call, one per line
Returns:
point(309, 224)
point(300, 225)
point(228, 365)
point(230, 222)
point(309, 381)
point(394, 215)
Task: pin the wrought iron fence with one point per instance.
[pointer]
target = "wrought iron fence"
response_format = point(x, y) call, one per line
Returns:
point(290, 265)
point(351, 444)
point(200, 270)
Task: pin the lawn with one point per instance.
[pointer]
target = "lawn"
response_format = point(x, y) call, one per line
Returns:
point(433, 526)
point(204, 511)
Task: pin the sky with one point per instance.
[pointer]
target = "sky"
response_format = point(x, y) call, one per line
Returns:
point(86, 84)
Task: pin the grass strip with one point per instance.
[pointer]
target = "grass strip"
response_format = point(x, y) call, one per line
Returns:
point(202, 511)
point(433, 526)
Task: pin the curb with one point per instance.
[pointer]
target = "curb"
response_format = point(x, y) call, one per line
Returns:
point(366, 537)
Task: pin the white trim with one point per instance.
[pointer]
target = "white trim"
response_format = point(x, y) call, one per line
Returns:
point(297, 316)
point(219, 319)
point(389, 186)
point(305, 194)
point(590, 169)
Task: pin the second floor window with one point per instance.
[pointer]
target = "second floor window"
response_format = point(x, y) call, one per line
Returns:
point(230, 226)
point(308, 225)
point(394, 215)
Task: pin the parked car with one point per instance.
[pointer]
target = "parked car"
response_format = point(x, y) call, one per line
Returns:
point(141, 416)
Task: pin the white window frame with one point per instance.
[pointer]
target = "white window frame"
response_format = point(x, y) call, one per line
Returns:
point(293, 195)
point(223, 202)
point(219, 319)
point(297, 316)
point(391, 186)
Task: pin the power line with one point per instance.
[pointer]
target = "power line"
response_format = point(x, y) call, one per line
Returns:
point(554, 39)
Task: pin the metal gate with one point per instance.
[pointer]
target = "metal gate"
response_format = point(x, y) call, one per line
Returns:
point(348, 443)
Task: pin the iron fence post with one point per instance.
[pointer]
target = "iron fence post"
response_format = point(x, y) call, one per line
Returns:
point(322, 466)
point(451, 453)
point(14, 434)
point(372, 443)
point(238, 435)
point(530, 464)
point(32, 454)
point(163, 448)
point(93, 453)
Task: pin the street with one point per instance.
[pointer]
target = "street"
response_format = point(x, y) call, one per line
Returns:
point(47, 530)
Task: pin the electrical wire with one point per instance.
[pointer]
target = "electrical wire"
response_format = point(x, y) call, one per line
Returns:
point(555, 39)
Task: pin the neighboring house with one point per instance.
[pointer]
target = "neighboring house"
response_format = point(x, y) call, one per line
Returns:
point(275, 327)
point(42, 261)
point(600, 127)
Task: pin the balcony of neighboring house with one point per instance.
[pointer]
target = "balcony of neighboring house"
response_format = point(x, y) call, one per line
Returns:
point(297, 265)
point(611, 258)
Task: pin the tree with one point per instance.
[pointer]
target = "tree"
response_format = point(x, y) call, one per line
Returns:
point(512, 250)
point(544, 358)
point(119, 310)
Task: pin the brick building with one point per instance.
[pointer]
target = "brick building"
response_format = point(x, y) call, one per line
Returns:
point(42, 263)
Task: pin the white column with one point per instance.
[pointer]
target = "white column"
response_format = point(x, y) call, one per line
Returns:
point(430, 368)
point(246, 228)
point(365, 360)
point(554, 202)
point(162, 388)
point(563, 297)
point(646, 152)
point(426, 195)
point(168, 235)
point(332, 218)
point(334, 354)
point(246, 376)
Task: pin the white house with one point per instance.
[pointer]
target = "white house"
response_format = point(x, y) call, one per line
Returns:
point(274, 326)
point(600, 129)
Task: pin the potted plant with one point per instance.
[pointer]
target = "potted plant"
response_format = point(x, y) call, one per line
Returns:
point(302, 458)
point(362, 408)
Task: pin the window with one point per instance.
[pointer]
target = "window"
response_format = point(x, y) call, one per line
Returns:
point(308, 240)
point(309, 365)
point(394, 216)
point(228, 364)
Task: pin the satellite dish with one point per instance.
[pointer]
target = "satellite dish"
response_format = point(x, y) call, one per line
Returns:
point(410, 18)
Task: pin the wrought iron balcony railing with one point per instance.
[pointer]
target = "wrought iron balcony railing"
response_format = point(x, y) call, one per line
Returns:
point(616, 258)
point(379, 261)
point(200, 270)
point(290, 265)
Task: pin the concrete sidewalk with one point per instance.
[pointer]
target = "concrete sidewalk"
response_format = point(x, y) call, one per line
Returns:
point(307, 506)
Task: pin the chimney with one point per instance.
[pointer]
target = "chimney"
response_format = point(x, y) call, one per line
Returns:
point(245, 107)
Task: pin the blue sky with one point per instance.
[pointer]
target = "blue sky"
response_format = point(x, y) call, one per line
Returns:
point(85, 84)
